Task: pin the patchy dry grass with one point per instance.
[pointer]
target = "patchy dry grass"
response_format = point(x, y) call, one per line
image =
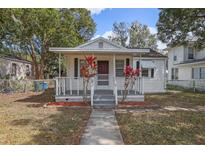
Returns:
point(178, 99)
point(154, 127)
point(165, 127)
point(24, 120)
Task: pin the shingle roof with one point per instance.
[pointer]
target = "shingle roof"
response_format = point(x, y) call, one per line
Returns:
point(152, 53)
point(192, 61)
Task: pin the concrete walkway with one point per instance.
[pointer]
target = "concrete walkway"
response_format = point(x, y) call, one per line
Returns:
point(102, 128)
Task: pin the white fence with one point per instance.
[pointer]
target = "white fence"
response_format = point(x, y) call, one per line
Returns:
point(189, 84)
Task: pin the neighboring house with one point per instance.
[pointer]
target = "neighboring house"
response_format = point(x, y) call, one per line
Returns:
point(111, 60)
point(15, 68)
point(186, 67)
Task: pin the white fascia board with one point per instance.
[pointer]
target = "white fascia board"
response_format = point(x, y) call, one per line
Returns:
point(150, 58)
point(71, 50)
point(188, 64)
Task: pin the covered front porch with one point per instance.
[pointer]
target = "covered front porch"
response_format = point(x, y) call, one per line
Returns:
point(107, 85)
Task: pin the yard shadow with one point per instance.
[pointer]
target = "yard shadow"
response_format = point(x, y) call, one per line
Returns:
point(38, 100)
point(55, 126)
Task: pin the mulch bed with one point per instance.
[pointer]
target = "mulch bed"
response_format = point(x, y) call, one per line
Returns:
point(67, 104)
point(143, 104)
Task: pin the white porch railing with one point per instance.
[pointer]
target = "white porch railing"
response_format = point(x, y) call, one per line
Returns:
point(197, 84)
point(70, 86)
point(74, 86)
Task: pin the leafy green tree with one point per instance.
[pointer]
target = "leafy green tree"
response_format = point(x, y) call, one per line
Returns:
point(120, 33)
point(38, 29)
point(141, 37)
point(135, 35)
point(180, 26)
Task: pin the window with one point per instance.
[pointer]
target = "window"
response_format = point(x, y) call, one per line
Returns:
point(195, 73)
point(119, 68)
point(145, 72)
point(152, 73)
point(127, 61)
point(76, 67)
point(14, 69)
point(82, 62)
point(190, 53)
point(175, 58)
point(137, 64)
point(174, 74)
point(202, 73)
point(198, 73)
point(100, 45)
point(27, 70)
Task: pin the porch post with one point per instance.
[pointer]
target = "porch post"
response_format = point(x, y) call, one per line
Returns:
point(140, 66)
point(140, 79)
point(59, 65)
point(114, 70)
point(114, 81)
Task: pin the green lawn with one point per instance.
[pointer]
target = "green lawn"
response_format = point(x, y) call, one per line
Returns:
point(24, 120)
point(165, 127)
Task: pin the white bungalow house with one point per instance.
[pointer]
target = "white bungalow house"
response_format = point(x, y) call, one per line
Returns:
point(106, 88)
point(13, 67)
point(186, 67)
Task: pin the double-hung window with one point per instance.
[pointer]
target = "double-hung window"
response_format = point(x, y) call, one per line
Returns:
point(190, 53)
point(202, 73)
point(119, 68)
point(198, 73)
point(174, 73)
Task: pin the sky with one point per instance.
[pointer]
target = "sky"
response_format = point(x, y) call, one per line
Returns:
point(104, 19)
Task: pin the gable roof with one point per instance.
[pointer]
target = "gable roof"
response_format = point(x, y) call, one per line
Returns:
point(110, 47)
point(101, 39)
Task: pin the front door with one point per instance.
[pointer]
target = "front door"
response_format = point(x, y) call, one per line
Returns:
point(103, 73)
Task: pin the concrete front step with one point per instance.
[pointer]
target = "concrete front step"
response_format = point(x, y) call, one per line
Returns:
point(103, 106)
point(103, 97)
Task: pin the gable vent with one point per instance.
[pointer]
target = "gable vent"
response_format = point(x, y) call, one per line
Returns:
point(100, 44)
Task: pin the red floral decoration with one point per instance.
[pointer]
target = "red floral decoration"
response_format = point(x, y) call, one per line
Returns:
point(130, 72)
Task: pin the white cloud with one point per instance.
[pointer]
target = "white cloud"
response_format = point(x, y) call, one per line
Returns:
point(95, 37)
point(96, 10)
point(153, 30)
point(108, 33)
point(105, 35)
point(161, 45)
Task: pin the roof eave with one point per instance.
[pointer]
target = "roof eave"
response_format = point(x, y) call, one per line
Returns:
point(190, 63)
point(70, 50)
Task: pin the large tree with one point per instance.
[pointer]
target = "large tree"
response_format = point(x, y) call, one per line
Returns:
point(120, 33)
point(136, 35)
point(35, 30)
point(140, 36)
point(180, 26)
